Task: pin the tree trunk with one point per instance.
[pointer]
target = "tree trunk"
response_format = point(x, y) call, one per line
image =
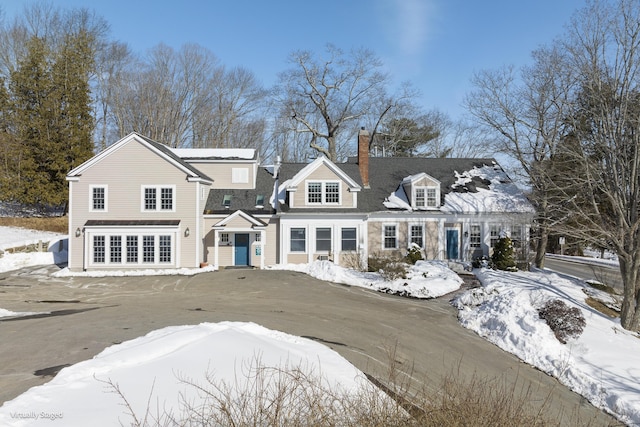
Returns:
point(630, 315)
point(541, 247)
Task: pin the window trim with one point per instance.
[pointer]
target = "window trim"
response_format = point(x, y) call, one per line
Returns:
point(330, 239)
point(158, 198)
point(92, 199)
point(116, 249)
point(429, 202)
point(384, 236)
point(355, 239)
point(475, 240)
point(323, 192)
point(411, 236)
point(303, 240)
point(240, 175)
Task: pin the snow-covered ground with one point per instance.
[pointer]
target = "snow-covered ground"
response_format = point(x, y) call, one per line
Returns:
point(601, 364)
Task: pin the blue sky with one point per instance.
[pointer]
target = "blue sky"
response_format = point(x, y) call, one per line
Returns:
point(435, 44)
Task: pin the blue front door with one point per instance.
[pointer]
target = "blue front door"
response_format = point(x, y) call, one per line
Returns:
point(242, 249)
point(452, 244)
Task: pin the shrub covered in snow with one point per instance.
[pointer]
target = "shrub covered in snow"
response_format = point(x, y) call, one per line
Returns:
point(388, 268)
point(565, 322)
point(414, 254)
point(503, 257)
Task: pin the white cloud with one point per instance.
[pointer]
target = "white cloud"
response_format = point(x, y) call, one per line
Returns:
point(408, 23)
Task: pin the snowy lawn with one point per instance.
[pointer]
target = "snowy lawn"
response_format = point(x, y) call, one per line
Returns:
point(602, 364)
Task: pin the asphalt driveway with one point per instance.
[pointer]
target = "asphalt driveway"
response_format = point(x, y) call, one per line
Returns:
point(89, 314)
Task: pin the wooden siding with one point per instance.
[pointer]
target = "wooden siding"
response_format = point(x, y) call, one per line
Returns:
point(322, 173)
point(221, 173)
point(124, 172)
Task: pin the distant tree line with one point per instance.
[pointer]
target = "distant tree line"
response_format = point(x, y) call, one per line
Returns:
point(571, 121)
point(68, 91)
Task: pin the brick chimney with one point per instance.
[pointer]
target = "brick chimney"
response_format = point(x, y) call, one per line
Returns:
point(363, 156)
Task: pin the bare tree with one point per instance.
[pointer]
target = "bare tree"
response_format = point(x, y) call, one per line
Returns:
point(328, 98)
point(603, 44)
point(525, 111)
point(186, 99)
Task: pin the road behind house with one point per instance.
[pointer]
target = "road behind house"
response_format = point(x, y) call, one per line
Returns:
point(90, 314)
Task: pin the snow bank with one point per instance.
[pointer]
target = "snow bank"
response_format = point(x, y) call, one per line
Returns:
point(600, 365)
point(425, 279)
point(152, 370)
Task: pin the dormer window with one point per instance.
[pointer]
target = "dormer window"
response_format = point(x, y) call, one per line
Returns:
point(260, 201)
point(323, 192)
point(426, 197)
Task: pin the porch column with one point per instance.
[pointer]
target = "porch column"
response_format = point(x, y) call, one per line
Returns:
point(215, 246)
point(263, 236)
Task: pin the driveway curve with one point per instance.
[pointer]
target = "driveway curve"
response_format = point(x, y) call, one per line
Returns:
point(422, 337)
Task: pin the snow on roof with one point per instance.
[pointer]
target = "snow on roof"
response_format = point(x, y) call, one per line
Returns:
point(484, 189)
point(218, 153)
point(502, 195)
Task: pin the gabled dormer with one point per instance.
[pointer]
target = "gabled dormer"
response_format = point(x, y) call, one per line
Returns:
point(321, 184)
point(423, 191)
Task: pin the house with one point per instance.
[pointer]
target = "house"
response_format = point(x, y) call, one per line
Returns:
point(140, 204)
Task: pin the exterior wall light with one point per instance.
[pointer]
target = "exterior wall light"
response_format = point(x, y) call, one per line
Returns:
point(78, 232)
point(186, 232)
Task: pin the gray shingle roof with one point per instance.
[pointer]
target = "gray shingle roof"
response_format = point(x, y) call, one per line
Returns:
point(244, 199)
point(386, 174)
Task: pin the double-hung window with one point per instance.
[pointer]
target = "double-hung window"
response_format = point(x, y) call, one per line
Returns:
point(420, 197)
point(390, 236)
point(323, 239)
point(148, 249)
point(298, 240)
point(474, 236)
point(494, 235)
point(98, 200)
point(132, 249)
point(99, 249)
point(416, 236)
point(164, 249)
point(159, 198)
point(115, 249)
point(323, 192)
point(349, 242)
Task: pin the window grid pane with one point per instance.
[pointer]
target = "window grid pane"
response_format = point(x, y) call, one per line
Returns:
point(420, 197)
point(165, 249)
point(98, 199)
point(323, 239)
point(298, 240)
point(132, 249)
point(494, 235)
point(150, 199)
point(431, 197)
point(390, 237)
point(98, 249)
point(166, 199)
point(332, 192)
point(115, 249)
point(474, 236)
point(148, 246)
point(416, 235)
point(349, 239)
point(314, 192)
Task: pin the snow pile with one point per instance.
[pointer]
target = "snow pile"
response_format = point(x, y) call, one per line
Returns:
point(9, 313)
point(502, 196)
point(65, 272)
point(425, 279)
point(218, 153)
point(601, 364)
point(151, 372)
point(14, 237)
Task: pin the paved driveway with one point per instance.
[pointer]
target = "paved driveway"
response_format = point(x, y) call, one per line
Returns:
point(89, 314)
